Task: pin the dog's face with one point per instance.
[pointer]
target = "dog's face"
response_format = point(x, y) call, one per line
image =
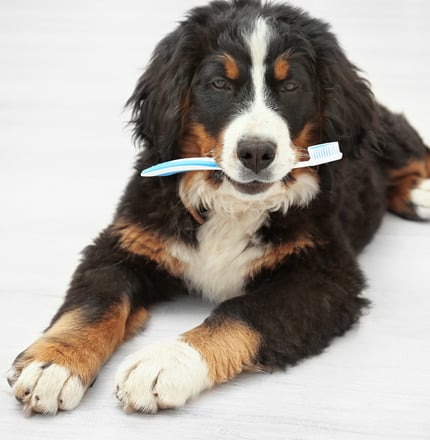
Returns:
point(252, 87)
point(253, 106)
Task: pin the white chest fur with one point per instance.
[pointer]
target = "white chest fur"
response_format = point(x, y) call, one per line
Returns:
point(217, 268)
point(228, 243)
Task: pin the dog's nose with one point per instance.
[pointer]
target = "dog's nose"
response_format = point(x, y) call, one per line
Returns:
point(256, 154)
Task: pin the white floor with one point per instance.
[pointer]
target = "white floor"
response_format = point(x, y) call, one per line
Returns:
point(66, 69)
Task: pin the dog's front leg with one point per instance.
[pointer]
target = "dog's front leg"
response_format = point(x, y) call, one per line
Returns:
point(105, 304)
point(286, 315)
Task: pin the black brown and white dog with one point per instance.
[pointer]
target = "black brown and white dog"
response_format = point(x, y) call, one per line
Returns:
point(274, 247)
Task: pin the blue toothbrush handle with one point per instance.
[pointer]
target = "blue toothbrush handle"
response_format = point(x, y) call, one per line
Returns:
point(181, 166)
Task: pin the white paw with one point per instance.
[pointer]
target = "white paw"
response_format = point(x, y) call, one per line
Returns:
point(420, 197)
point(163, 375)
point(46, 388)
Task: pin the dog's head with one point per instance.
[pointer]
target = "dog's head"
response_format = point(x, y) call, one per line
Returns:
point(252, 86)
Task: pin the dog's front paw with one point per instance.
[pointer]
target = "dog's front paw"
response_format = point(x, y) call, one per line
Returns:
point(163, 375)
point(45, 388)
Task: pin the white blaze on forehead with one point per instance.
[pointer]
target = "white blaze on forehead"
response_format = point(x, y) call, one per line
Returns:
point(258, 45)
point(258, 119)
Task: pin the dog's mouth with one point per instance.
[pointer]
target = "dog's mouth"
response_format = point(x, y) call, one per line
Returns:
point(251, 188)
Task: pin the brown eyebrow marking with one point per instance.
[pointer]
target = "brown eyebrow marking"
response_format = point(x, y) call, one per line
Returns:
point(231, 67)
point(281, 67)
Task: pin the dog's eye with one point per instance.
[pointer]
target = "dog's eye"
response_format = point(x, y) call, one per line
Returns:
point(289, 86)
point(221, 84)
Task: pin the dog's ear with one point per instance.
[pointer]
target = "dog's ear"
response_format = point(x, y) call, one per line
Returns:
point(347, 105)
point(159, 101)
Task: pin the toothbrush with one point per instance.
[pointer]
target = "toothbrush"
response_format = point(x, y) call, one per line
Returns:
point(181, 166)
point(318, 154)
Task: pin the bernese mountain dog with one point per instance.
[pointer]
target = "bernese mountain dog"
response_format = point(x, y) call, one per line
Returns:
point(251, 85)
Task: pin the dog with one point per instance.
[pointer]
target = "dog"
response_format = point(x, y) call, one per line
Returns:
point(274, 247)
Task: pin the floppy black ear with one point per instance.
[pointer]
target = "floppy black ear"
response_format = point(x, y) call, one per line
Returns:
point(159, 100)
point(347, 104)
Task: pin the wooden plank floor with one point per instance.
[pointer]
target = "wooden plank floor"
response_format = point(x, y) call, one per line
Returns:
point(66, 69)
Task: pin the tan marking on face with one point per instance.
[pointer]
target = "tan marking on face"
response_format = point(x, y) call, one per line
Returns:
point(141, 241)
point(231, 67)
point(77, 345)
point(188, 185)
point(276, 254)
point(228, 348)
point(281, 68)
point(197, 142)
point(308, 136)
